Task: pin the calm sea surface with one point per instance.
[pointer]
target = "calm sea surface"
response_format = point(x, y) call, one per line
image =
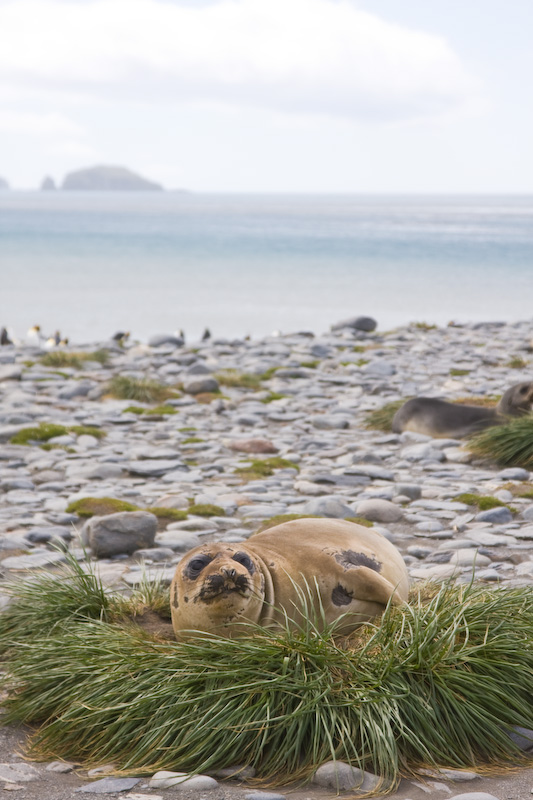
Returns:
point(90, 264)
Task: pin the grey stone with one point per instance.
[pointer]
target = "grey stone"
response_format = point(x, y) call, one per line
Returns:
point(523, 533)
point(468, 556)
point(371, 471)
point(48, 534)
point(17, 483)
point(45, 558)
point(154, 554)
point(200, 385)
point(411, 490)
point(73, 389)
point(153, 468)
point(513, 474)
point(522, 737)
point(342, 777)
point(422, 452)
point(124, 532)
point(10, 373)
point(474, 796)
point(328, 506)
point(165, 779)
point(257, 795)
point(107, 785)
point(378, 510)
point(380, 369)
point(331, 422)
point(500, 515)
point(527, 514)
point(18, 772)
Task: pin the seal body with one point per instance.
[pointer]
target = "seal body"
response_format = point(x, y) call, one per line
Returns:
point(326, 568)
point(440, 419)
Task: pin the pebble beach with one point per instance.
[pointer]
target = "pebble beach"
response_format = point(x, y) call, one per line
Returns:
point(298, 403)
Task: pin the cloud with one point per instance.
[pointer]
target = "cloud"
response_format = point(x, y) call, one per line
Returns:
point(35, 124)
point(304, 56)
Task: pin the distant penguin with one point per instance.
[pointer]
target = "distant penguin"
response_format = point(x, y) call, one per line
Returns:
point(121, 337)
point(4, 337)
point(35, 337)
point(206, 335)
point(53, 341)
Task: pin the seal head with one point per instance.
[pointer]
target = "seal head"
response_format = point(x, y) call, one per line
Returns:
point(216, 588)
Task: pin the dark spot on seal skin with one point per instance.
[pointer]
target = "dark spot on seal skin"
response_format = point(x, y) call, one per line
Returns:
point(175, 597)
point(245, 560)
point(348, 559)
point(341, 596)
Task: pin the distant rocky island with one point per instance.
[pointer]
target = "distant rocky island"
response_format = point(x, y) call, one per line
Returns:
point(3, 184)
point(107, 179)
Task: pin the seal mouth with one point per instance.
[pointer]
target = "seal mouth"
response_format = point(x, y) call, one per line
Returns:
point(221, 585)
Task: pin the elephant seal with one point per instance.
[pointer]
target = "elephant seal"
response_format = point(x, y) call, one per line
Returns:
point(332, 566)
point(438, 418)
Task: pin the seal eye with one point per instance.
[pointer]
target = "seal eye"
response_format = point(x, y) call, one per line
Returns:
point(196, 565)
point(524, 389)
point(245, 560)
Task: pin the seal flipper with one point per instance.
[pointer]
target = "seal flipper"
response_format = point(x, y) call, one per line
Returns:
point(367, 585)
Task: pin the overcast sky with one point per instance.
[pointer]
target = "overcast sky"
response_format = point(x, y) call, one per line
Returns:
point(271, 95)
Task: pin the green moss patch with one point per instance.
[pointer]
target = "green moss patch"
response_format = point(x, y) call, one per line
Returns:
point(168, 514)
point(191, 440)
point(271, 396)
point(263, 468)
point(104, 690)
point(483, 502)
point(517, 362)
point(99, 506)
point(206, 510)
point(48, 430)
point(157, 410)
point(509, 445)
point(366, 523)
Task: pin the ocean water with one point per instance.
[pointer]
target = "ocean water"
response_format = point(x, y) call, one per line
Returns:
point(90, 264)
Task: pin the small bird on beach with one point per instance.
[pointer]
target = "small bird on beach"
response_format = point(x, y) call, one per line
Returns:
point(206, 335)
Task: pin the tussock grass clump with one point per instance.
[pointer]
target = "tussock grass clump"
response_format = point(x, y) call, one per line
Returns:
point(509, 445)
point(517, 362)
point(381, 418)
point(439, 681)
point(60, 358)
point(483, 502)
point(142, 390)
point(263, 468)
point(244, 380)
